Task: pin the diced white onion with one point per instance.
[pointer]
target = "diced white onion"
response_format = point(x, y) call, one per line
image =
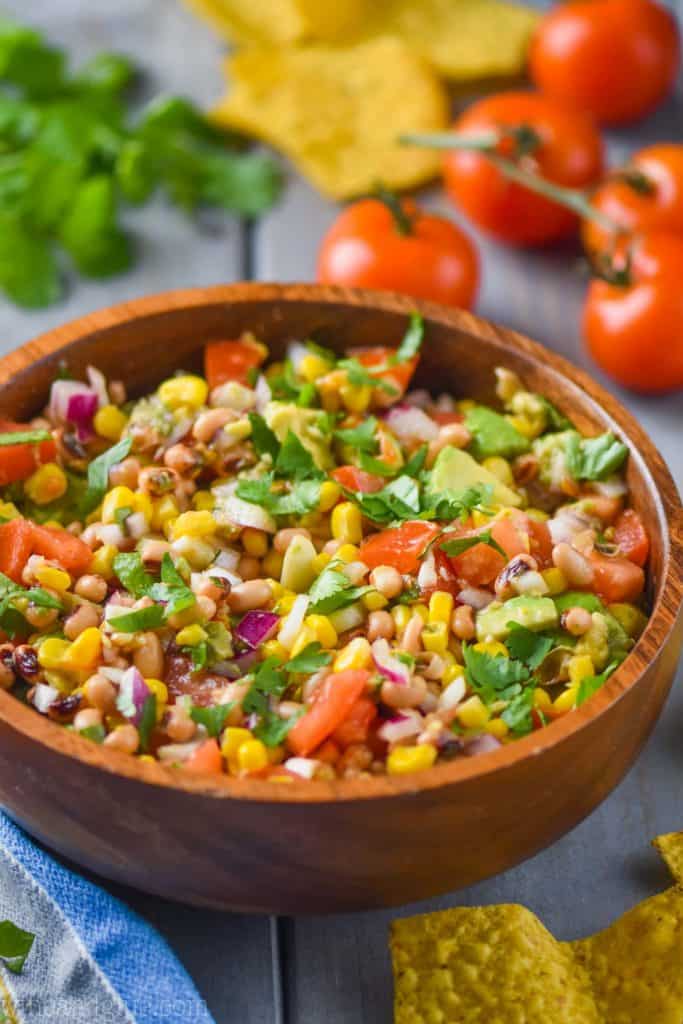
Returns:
point(263, 393)
point(475, 598)
point(294, 621)
point(228, 559)
point(614, 487)
point(44, 696)
point(136, 525)
point(453, 694)
point(244, 513)
point(303, 766)
point(427, 578)
point(411, 424)
point(529, 583)
point(348, 618)
point(178, 751)
point(296, 353)
point(98, 384)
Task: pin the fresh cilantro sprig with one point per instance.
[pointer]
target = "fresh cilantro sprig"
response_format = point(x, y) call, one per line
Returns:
point(493, 677)
point(363, 437)
point(400, 499)
point(171, 593)
point(459, 545)
point(594, 458)
point(293, 463)
point(12, 621)
point(310, 660)
point(213, 717)
point(98, 475)
point(15, 946)
point(591, 684)
point(333, 590)
point(269, 681)
point(527, 646)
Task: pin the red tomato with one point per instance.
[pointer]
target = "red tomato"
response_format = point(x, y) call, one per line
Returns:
point(18, 461)
point(646, 196)
point(446, 577)
point(356, 725)
point(232, 360)
point(613, 59)
point(570, 153)
point(631, 536)
point(444, 418)
point(398, 376)
point(331, 706)
point(540, 543)
point(515, 534)
point(205, 760)
point(355, 479)
point(401, 546)
point(431, 259)
point(19, 539)
point(635, 331)
point(616, 579)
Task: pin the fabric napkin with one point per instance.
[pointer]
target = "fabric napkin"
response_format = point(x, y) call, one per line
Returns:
point(93, 960)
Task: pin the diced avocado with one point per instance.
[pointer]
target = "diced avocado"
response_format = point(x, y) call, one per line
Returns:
point(455, 470)
point(578, 599)
point(297, 567)
point(307, 424)
point(535, 613)
point(493, 434)
point(551, 452)
point(596, 642)
point(631, 619)
point(618, 640)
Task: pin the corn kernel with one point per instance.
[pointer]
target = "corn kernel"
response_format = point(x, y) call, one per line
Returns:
point(197, 552)
point(286, 602)
point(356, 399)
point(8, 510)
point(435, 637)
point(60, 681)
point(402, 760)
point(401, 615)
point(252, 756)
point(47, 484)
point(555, 581)
point(193, 524)
point(276, 588)
point(542, 699)
point(50, 576)
point(374, 601)
point(355, 655)
point(566, 701)
point(422, 610)
point(330, 493)
point(498, 728)
point(320, 561)
point(274, 649)
point(51, 653)
point(203, 501)
point(254, 542)
point(311, 520)
point(346, 523)
point(580, 666)
point(143, 504)
point(440, 606)
point(109, 422)
point(347, 552)
point(304, 637)
point(186, 390)
point(272, 563)
point(630, 617)
point(160, 691)
point(313, 366)
point(492, 647)
point(324, 631)
point(451, 672)
point(85, 651)
point(473, 713)
point(233, 738)
point(190, 636)
point(115, 499)
point(500, 468)
point(164, 510)
point(526, 426)
point(480, 518)
point(103, 561)
point(238, 430)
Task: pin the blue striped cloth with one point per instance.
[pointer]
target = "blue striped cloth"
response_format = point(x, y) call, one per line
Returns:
point(93, 960)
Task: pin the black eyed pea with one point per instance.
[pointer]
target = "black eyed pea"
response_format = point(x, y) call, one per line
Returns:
point(380, 626)
point(124, 738)
point(283, 538)
point(576, 621)
point(210, 422)
point(88, 718)
point(577, 569)
point(100, 692)
point(149, 656)
point(85, 617)
point(179, 726)
point(249, 595)
point(387, 580)
point(91, 587)
point(125, 474)
point(404, 695)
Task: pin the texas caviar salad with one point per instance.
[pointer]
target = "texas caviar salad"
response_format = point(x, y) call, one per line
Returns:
point(307, 570)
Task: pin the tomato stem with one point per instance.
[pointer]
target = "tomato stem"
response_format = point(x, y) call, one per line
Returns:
point(486, 143)
point(402, 220)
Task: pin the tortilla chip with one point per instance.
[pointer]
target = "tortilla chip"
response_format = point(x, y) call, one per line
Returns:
point(489, 965)
point(499, 965)
point(670, 846)
point(282, 21)
point(337, 112)
point(464, 40)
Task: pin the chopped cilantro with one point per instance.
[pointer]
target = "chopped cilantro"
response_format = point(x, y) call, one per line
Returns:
point(594, 458)
point(456, 547)
point(359, 377)
point(376, 466)
point(310, 660)
point(591, 684)
point(141, 619)
point(527, 646)
point(363, 437)
point(11, 620)
point(148, 720)
point(493, 677)
point(269, 681)
point(96, 733)
point(198, 655)
point(517, 715)
point(300, 499)
point(98, 475)
point(131, 572)
point(412, 341)
point(212, 717)
point(294, 462)
point(400, 499)
point(263, 438)
point(415, 463)
point(333, 590)
point(458, 504)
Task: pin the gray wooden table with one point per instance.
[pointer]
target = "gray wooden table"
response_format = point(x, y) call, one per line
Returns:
point(336, 970)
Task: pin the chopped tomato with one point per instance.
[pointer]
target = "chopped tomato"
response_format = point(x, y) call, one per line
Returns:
point(355, 479)
point(617, 579)
point(398, 376)
point(331, 706)
point(444, 418)
point(356, 725)
point(389, 448)
point(328, 752)
point(205, 760)
point(232, 360)
point(401, 546)
point(445, 576)
point(538, 536)
point(18, 461)
point(631, 536)
point(480, 564)
point(19, 539)
point(606, 509)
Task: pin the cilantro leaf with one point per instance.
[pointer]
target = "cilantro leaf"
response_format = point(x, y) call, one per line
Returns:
point(492, 677)
point(376, 466)
point(198, 655)
point(554, 418)
point(15, 946)
point(415, 463)
point(212, 717)
point(98, 474)
point(310, 660)
point(90, 232)
point(301, 498)
point(594, 458)
point(148, 720)
point(363, 437)
point(272, 729)
point(457, 504)
point(400, 499)
point(517, 715)
point(456, 547)
point(285, 386)
point(527, 646)
point(294, 462)
point(132, 574)
point(412, 341)
point(24, 437)
point(262, 437)
point(29, 273)
point(173, 589)
point(269, 681)
point(360, 376)
point(333, 590)
point(141, 619)
point(591, 684)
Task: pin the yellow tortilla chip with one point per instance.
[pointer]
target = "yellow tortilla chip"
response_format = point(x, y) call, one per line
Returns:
point(282, 21)
point(337, 112)
point(670, 846)
point(499, 965)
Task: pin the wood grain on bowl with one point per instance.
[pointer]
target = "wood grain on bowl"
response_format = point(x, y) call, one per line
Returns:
point(327, 846)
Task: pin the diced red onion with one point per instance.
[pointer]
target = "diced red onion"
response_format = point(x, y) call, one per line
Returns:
point(475, 598)
point(411, 424)
point(387, 665)
point(256, 627)
point(133, 690)
point(303, 766)
point(44, 696)
point(483, 744)
point(98, 383)
point(400, 727)
point(71, 401)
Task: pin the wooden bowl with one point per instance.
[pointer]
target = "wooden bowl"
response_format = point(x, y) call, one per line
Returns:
point(313, 847)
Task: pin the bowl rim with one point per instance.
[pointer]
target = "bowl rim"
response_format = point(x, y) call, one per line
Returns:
point(661, 623)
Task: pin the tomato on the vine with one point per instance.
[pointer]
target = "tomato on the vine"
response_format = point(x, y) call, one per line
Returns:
point(613, 59)
point(396, 246)
point(634, 329)
point(558, 144)
point(647, 195)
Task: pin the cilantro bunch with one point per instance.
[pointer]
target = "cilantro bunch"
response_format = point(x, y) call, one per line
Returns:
point(71, 156)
